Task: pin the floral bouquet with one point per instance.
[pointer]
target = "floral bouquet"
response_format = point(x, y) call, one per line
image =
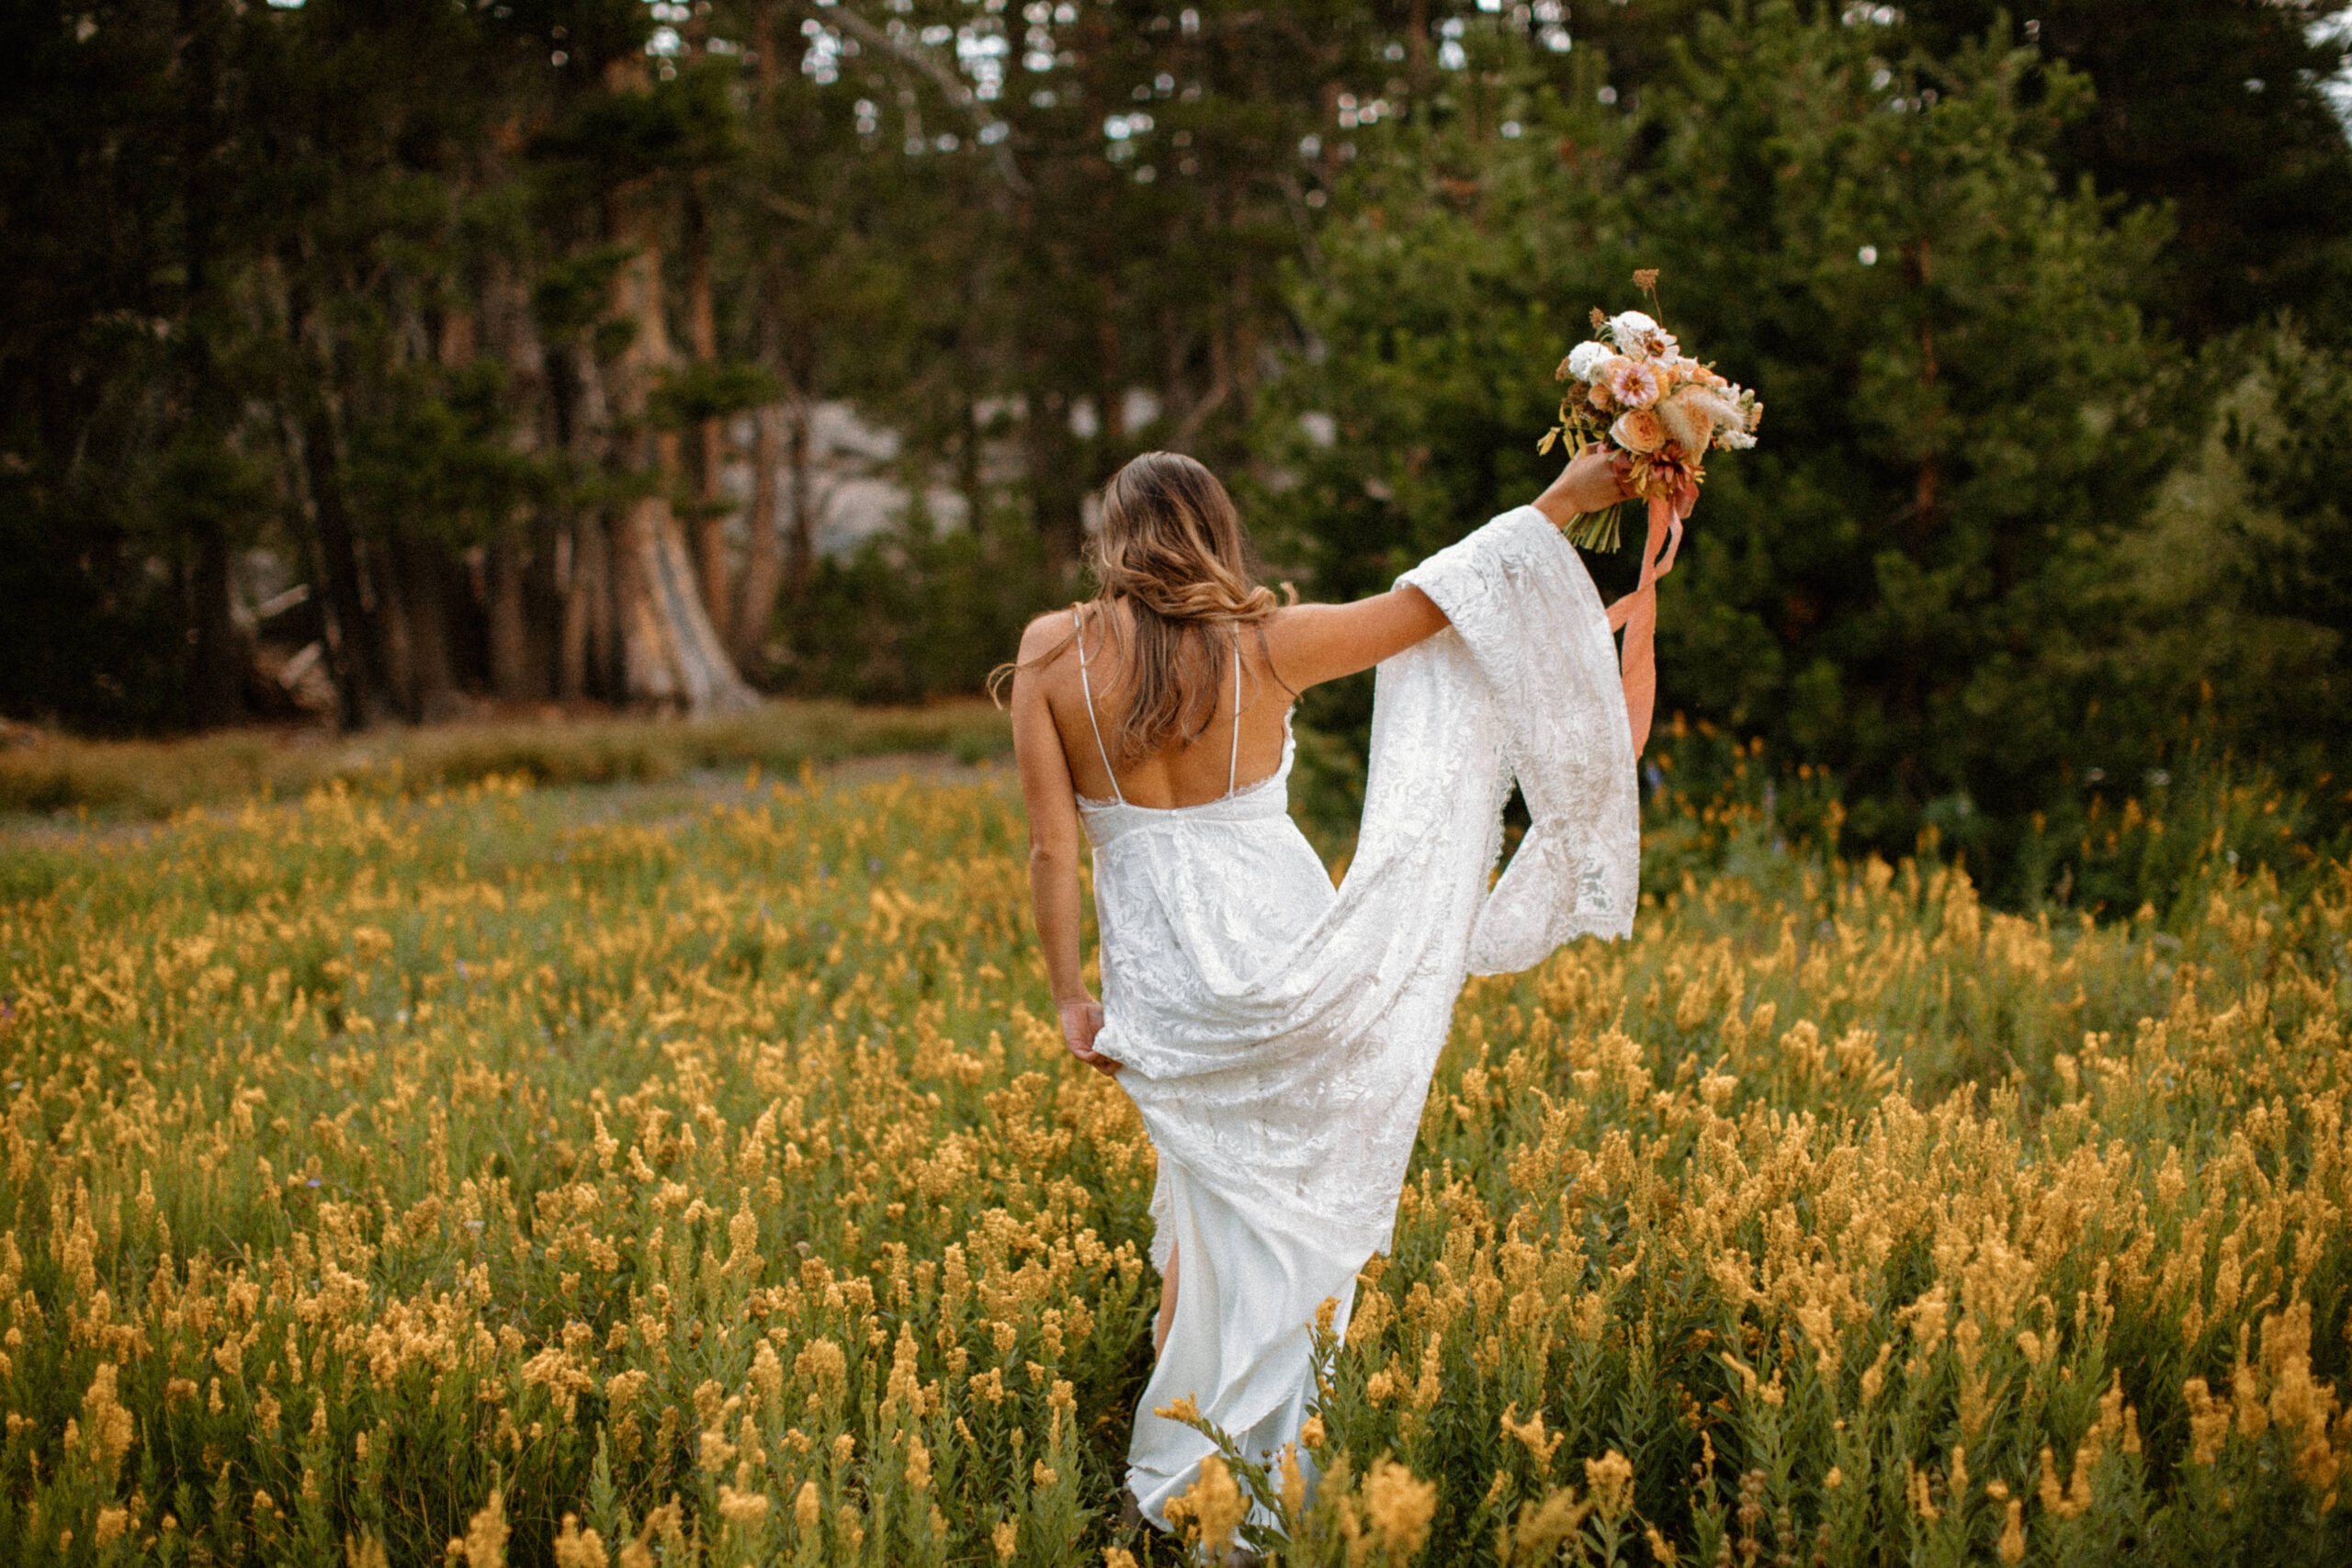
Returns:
point(1634, 393)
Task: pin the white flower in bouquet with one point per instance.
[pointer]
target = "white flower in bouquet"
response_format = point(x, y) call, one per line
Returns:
point(1636, 333)
point(1585, 359)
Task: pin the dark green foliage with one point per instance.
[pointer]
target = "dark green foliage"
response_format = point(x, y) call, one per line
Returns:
point(2299, 465)
point(423, 300)
point(711, 391)
point(2216, 111)
point(915, 611)
point(1928, 579)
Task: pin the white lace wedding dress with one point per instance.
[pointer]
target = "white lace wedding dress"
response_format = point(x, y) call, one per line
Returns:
point(1278, 1036)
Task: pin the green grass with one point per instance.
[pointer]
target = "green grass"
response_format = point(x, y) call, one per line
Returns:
point(155, 778)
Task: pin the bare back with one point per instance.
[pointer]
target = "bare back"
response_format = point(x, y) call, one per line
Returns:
point(1294, 649)
point(1215, 754)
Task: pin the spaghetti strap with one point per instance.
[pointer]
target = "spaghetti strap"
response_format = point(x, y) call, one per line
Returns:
point(1086, 688)
point(1233, 762)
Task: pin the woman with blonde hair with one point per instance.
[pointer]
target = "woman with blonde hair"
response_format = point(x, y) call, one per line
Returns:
point(1278, 1034)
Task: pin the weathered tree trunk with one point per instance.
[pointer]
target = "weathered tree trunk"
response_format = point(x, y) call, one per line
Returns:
point(217, 666)
point(1924, 497)
point(670, 652)
point(511, 675)
point(392, 613)
point(673, 655)
point(800, 528)
point(543, 591)
point(1057, 484)
point(590, 661)
point(586, 660)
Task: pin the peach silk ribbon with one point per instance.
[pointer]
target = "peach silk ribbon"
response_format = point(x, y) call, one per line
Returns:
point(1636, 615)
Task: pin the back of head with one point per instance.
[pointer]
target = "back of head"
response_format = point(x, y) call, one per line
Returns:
point(1172, 547)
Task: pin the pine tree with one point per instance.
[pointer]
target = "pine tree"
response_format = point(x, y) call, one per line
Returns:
point(2218, 109)
point(1957, 381)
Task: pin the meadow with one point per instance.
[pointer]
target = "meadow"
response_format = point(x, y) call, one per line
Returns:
point(504, 1173)
point(42, 772)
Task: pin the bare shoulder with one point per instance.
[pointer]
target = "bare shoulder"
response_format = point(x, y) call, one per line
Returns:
point(1045, 638)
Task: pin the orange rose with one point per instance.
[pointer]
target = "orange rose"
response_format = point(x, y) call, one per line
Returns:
point(1638, 430)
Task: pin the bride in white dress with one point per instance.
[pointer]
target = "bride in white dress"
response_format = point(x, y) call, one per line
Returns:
point(1278, 1034)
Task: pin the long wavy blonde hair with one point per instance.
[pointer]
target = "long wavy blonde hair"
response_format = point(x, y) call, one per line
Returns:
point(1172, 546)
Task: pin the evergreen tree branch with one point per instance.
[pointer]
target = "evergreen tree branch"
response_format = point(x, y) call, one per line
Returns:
point(952, 87)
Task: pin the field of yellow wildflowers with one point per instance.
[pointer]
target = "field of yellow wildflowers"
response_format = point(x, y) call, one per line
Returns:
point(530, 1176)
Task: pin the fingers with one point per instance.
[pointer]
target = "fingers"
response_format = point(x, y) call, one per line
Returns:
point(1097, 1060)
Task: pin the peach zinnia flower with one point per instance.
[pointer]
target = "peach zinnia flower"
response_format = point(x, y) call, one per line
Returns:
point(1632, 383)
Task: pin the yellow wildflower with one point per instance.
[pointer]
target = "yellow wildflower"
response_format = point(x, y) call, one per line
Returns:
point(578, 1548)
point(486, 1542)
point(1400, 1506)
point(1610, 1478)
point(1211, 1509)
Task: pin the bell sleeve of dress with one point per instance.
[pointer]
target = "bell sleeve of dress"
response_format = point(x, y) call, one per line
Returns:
point(1523, 603)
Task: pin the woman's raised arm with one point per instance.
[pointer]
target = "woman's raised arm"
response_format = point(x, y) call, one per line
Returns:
point(1313, 643)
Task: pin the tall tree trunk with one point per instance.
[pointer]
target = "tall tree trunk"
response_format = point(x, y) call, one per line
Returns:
point(515, 676)
point(670, 653)
point(1924, 497)
point(217, 670)
point(391, 611)
point(763, 557)
point(510, 639)
point(710, 447)
point(587, 661)
point(1113, 382)
point(800, 535)
point(590, 660)
point(363, 663)
point(427, 622)
point(217, 666)
point(543, 591)
point(1057, 488)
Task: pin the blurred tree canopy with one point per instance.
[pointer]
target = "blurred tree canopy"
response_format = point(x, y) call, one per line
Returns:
point(427, 353)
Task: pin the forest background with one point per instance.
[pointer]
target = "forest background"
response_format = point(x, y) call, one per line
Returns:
point(411, 356)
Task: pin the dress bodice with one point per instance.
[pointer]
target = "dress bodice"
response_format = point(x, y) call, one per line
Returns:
point(1107, 821)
